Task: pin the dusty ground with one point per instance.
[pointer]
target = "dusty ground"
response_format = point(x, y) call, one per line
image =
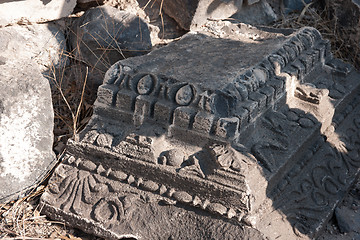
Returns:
point(73, 108)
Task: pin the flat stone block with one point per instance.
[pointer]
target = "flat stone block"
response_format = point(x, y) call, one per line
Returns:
point(26, 128)
point(45, 44)
point(34, 11)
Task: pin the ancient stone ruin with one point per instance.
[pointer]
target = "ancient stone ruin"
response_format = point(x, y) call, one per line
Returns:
point(254, 135)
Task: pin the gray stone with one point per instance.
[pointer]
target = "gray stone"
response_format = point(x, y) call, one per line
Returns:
point(347, 219)
point(293, 5)
point(103, 35)
point(250, 2)
point(34, 11)
point(254, 143)
point(260, 13)
point(43, 43)
point(191, 15)
point(26, 125)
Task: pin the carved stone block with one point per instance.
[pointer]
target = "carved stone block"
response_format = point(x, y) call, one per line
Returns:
point(252, 136)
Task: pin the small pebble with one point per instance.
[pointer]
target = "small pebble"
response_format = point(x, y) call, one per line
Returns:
point(162, 190)
point(131, 179)
point(231, 213)
point(196, 201)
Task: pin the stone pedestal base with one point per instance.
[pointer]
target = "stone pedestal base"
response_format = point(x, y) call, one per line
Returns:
point(255, 136)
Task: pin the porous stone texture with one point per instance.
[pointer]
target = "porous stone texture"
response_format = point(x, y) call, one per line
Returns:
point(34, 11)
point(45, 44)
point(103, 35)
point(26, 125)
point(257, 132)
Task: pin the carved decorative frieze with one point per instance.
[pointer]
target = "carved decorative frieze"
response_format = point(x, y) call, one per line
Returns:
point(235, 144)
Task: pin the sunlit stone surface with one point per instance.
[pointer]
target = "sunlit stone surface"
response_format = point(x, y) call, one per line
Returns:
point(26, 128)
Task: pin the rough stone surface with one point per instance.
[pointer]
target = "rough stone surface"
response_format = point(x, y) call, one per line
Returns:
point(260, 13)
point(34, 11)
point(103, 35)
point(26, 125)
point(162, 27)
point(43, 43)
point(191, 15)
point(347, 219)
point(346, 214)
point(259, 129)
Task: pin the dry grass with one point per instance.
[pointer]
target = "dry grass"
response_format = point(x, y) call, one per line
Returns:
point(324, 16)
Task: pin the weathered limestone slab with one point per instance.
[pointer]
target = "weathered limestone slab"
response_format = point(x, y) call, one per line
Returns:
point(43, 43)
point(34, 11)
point(26, 125)
point(256, 134)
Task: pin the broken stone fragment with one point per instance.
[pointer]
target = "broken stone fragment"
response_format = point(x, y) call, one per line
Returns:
point(105, 34)
point(192, 14)
point(45, 44)
point(26, 128)
point(259, 13)
point(34, 11)
point(347, 219)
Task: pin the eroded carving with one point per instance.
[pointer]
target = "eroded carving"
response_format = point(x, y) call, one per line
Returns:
point(240, 149)
point(310, 93)
point(225, 156)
